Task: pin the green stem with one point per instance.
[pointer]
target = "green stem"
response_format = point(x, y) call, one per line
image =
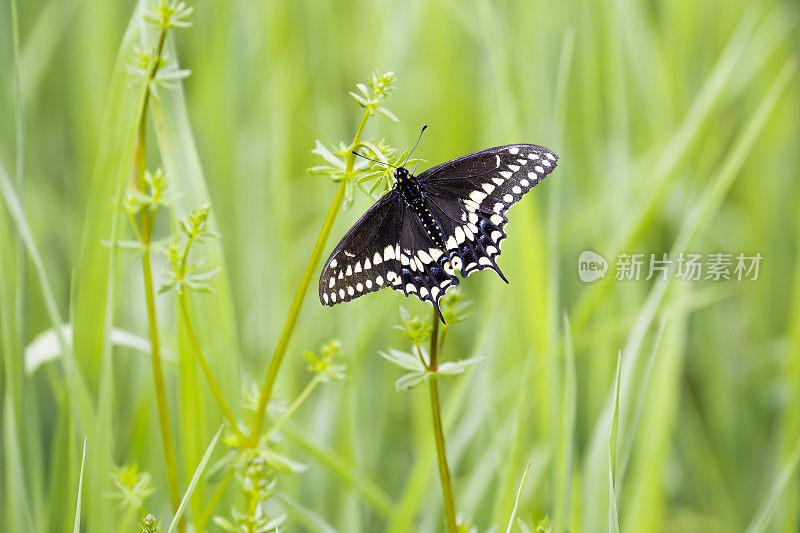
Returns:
point(146, 221)
point(215, 389)
point(292, 408)
point(438, 433)
point(297, 302)
point(158, 381)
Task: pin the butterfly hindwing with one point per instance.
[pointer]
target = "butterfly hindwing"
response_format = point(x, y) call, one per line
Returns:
point(422, 270)
point(366, 258)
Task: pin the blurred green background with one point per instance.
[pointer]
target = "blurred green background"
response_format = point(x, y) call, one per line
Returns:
point(677, 128)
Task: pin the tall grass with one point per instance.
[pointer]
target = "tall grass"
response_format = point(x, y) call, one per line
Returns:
point(677, 128)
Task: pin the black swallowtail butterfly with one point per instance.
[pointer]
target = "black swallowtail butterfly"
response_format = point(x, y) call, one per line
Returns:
point(450, 217)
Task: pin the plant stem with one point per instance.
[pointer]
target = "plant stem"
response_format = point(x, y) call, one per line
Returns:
point(297, 302)
point(146, 221)
point(215, 389)
point(292, 408)
point(438, 433)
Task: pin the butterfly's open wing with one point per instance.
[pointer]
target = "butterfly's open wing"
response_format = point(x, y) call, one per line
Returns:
point(366, 258)
point(470, 196)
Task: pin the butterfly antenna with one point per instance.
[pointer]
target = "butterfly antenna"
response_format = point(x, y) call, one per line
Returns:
point(417, 144)
point(373, 160)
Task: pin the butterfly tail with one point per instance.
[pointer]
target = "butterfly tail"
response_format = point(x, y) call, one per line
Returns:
point(435, 303)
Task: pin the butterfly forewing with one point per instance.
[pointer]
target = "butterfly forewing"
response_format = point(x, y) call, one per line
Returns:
point(495, 178)
point(366, 258)
point(471, 195)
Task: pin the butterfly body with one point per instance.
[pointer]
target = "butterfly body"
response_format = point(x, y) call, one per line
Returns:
point(451, 217)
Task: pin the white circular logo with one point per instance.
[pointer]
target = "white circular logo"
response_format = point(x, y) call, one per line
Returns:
point(591, 266)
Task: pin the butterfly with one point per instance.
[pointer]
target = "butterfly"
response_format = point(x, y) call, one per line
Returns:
point(450, 217)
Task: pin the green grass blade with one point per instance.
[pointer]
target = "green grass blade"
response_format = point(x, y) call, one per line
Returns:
point(516, 500)
point(17, 214)
point(94, 278)
point(566, 441)
point(195, 478)
point(77, 524)
point(761, 519)
point(613, 515)
point(16, 498)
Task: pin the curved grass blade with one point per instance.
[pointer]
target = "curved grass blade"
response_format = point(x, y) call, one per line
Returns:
point(77, 525)
point(195, 478)
point(516, 500)
point(613, 515)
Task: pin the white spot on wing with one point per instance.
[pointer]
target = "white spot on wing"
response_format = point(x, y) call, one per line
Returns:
point(488, 187)
point(515, 189)
point(460, 235)
point(506, 174)
point(477, 196)
point(513, 151)
point(508, 198)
